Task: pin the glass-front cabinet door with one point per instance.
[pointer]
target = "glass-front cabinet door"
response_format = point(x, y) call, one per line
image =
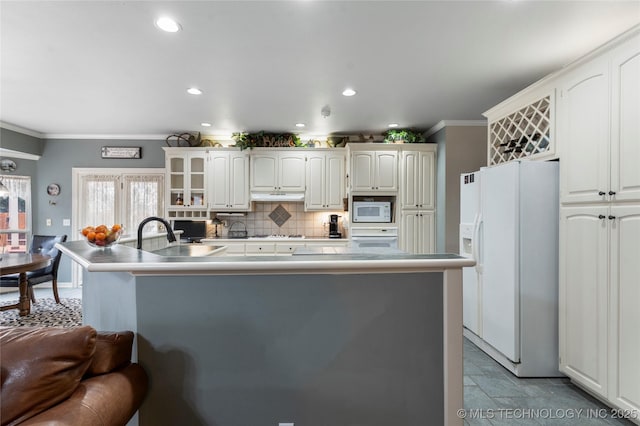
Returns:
point(186, 182)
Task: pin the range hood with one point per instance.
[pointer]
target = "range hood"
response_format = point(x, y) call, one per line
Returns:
point(278, 196)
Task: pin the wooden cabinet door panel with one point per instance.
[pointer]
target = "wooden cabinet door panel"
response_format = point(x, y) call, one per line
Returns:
point(583, 295)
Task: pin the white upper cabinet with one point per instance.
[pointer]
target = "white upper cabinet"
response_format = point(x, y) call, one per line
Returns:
point(584, 131)
point(186, 178)
point(228, 180)
point(599, 128)
point(417, 184)
point(374, 171)
point(277, 171)
point(625, 121)
point(325, 180)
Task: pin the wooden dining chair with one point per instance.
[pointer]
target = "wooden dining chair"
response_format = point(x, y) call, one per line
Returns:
point(41, 244)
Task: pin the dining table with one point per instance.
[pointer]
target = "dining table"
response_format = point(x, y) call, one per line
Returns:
point(21, 263)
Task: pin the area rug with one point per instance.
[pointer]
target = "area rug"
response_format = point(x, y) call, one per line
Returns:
point(45, 313)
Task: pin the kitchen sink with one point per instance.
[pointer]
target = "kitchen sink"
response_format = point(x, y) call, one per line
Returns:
point(189, 250)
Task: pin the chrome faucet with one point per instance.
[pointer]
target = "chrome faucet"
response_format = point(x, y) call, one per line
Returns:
point(171, 237)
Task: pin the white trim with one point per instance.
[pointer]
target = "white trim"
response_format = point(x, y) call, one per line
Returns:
point(221, 137)
point(461, 123)
point(22, 130)
point(452, 346)
point(103, 136)
point(17, 154)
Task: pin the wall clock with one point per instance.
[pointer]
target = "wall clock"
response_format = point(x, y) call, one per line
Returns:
point(53, 189)
point(7, 165)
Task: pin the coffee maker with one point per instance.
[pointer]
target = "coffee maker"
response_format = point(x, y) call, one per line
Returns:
point(333, 226)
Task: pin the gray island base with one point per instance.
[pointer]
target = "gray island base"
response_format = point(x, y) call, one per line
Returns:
point(349, 340)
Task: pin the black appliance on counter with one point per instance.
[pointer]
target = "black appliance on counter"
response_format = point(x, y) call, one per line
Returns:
point(192, 231)
point(334, 228)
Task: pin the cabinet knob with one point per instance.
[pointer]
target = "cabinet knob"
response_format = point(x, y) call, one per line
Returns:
point(612, 192)
point(601, 193)
point(602, 216)
point(611, 217)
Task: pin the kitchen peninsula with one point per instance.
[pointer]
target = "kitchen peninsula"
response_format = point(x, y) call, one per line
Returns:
point(316, 339)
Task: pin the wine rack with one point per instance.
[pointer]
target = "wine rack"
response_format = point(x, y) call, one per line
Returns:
point(523, 133)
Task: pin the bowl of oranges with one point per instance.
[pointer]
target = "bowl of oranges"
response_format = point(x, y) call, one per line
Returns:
point(102, 236)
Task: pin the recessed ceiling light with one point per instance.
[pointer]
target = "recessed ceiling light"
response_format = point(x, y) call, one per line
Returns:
point(348, 92)
point(299, 124)
point(205, 124)
point(168, 25)
point(194, 91)
point(393, 125)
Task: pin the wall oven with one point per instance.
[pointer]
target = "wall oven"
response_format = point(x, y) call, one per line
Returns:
point(375, 239)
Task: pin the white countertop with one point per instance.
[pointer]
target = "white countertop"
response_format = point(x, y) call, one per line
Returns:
point(140, 262)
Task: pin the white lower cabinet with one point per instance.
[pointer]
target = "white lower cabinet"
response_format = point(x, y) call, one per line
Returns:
point(245, 247)
point(234, 249)
point(624, 326)
point(252, 249)
point(599, 300)
point(583, 296)
point(288, 248)
point(417, 231)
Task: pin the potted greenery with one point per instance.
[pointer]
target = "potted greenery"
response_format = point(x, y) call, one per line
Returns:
point(264, 139)
point(403, 136)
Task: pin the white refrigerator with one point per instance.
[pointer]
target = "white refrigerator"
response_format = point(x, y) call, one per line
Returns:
point(509, 224)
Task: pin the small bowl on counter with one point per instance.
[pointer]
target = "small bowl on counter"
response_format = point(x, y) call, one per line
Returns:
point(102, 236)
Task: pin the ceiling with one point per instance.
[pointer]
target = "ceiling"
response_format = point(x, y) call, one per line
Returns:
point(102, 69)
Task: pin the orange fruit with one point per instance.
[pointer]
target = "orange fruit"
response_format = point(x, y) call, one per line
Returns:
point(100, 236)
point(91, 236)
point(116, 228)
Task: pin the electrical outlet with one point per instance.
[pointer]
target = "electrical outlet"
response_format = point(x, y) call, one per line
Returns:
point(66, 222)
point(47, 222)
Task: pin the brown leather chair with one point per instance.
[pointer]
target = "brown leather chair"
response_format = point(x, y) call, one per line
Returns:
point(68, 376)
point(42, 244)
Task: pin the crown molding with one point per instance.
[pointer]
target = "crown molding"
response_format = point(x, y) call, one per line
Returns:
point(17, 154)
point(103, 136)
point(22, 130)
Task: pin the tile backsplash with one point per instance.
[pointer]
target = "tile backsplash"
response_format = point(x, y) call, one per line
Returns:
point(265, 217)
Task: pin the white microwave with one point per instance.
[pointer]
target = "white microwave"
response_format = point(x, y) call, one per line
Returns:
point(371, 212)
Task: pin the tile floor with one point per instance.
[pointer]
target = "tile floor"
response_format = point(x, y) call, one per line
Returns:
point(492, 395)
